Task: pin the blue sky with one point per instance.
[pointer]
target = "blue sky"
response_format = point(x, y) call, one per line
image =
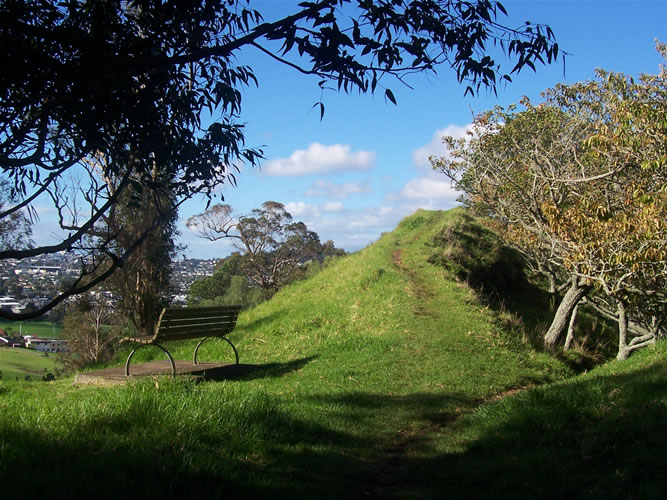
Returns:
point(360, 170)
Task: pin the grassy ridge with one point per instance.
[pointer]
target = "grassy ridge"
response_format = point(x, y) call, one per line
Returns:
point(19, 363)
point(376, 378)
point(42, 329)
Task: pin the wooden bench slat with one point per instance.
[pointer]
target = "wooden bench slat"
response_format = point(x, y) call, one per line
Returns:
point(167, 329)
point(198, 312)
point(188, 336)
point(187, 323)
point(209, 320)
point(203, 330)
point(139, 340)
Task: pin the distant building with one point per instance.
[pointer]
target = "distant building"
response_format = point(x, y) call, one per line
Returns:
point(41, 270)
point(40, 302)
point(6, 341)
point(10, 304)
point(47, 345)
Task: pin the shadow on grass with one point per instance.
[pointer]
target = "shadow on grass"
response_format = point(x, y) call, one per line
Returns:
point(171, 463)
point(257, 450)
point(475, 254)
point(245, 371)
point(601, 437)
point(438, 409)
point(256, 324)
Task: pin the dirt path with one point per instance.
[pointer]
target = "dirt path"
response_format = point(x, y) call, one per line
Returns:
point(388, 481)
point(418, 289)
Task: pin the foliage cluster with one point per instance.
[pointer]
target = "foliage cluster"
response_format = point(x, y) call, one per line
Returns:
point(106, 100)
point(92, 330)
point(577, 184)
point(15, 228)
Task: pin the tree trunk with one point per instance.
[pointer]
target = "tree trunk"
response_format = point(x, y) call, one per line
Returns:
point(570, 328)
point(564, 312)
point(623, 351)
point(553, 292)
point(625, 348)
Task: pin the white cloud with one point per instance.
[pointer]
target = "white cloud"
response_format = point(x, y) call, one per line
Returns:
point(421, 155)
point(428, 188)
point(328, 189)
point(333, 206)
point(384, 211)
point(320, 159)
point(301, 209)
point(355, 229)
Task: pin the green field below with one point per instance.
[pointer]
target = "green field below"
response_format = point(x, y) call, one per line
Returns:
point(380, 377)
point(42, 329)
point(16, 363)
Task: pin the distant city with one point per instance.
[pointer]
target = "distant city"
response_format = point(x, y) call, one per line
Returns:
point(33, 282)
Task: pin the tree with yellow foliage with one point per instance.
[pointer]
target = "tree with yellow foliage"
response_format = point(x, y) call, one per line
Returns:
point(578, 184)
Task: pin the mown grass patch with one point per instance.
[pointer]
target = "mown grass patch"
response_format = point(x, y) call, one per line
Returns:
point(16, 363)
point(42, 329)
point(599, 435)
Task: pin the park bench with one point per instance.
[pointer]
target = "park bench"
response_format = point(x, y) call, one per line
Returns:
point(188, 323)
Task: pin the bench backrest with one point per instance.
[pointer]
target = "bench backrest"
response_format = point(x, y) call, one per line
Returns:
point(196, 322)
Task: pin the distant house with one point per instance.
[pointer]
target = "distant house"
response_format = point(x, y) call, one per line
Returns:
point(10, 304)
point(47, 345)
point(45, 270)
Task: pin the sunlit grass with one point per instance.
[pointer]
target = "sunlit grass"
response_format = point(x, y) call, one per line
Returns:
point(376, 377)
point(42, 329)
point(17, 363)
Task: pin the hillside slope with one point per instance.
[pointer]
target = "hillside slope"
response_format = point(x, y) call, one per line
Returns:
point(375, 378)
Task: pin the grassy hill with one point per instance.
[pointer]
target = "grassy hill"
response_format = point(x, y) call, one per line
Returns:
point(43, 329)
point(19, 363)
point(380, 377)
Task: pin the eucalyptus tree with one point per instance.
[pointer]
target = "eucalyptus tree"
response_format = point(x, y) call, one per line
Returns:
point(132, 81)
point(272, 244)
point(15, 228)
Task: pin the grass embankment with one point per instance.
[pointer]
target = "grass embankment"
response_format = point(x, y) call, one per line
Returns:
point(20, 363)
point(376, 378)
point(42, 329)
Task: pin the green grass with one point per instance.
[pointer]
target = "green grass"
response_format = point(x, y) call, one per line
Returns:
point(19, 363)
point(379, 377)
point(600, 435)
point(42, 329)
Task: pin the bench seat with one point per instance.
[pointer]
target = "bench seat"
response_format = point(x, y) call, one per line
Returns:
point(188, 323)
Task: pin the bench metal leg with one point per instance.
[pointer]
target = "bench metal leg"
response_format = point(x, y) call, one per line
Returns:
point(236, 353)
point(171, 360)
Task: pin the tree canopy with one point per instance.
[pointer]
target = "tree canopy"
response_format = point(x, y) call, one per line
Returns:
point(106, 97)
point(15, 228)
point(578, 184)
point(272, 244)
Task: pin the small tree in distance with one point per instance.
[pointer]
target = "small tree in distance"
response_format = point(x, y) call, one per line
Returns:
point(90, 333)
point(274, 247)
